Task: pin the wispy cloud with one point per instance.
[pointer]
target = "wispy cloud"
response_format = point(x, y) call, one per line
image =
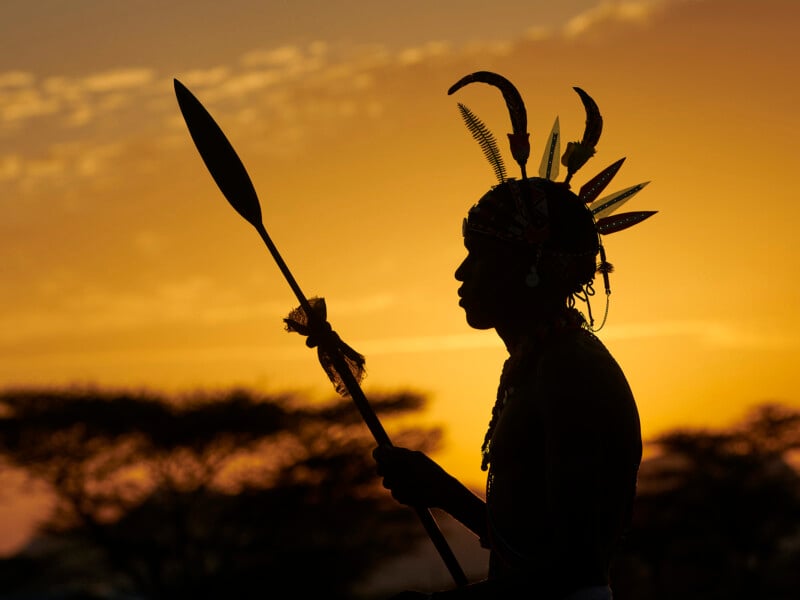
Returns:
point(418, 54)
point(433, 343)
point(24, 102)
point(625, 11)
point(198, 78)
point(712, 333)
point(63, 164)
point(304, 88)
point(117, 80)
point(10, 167)
point(287, 56)
point(77, 310)
point(15, 79)
point(243, 84)
point(716, 334)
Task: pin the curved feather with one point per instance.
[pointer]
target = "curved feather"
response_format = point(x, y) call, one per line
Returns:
point(594, 121)
point(520, 144)
point(514, 103)
point(578, 153)
point(486, 141)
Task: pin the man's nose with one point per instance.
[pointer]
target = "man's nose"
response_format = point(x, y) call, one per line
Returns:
point(460, 270)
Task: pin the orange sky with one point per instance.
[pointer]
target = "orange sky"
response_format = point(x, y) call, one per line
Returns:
point(122, 264)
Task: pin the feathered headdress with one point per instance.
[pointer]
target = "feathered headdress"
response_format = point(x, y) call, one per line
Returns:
point(574, 157)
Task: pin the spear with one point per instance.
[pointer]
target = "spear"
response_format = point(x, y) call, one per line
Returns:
point(233, 181)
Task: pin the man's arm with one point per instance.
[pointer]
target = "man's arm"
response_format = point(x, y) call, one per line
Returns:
point(416, 480)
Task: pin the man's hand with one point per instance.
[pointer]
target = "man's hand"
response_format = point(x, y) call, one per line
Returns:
point(413, 478)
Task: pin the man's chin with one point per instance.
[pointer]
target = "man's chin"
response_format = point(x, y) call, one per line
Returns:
point(476, 322)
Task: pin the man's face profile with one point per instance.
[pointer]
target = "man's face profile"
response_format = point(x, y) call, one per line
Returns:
point(492, 282)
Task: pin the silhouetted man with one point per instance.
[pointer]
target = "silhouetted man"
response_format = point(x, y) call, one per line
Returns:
point(563, 444)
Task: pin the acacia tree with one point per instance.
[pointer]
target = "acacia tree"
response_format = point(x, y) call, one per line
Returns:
point(717, 514)
point(208, 494)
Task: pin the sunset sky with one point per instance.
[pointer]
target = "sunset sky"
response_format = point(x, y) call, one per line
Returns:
point(122, 265)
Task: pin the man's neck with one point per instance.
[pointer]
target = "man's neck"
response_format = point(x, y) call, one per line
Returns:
point(528, 332)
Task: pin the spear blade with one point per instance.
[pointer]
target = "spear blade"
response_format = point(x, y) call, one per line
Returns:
point(219, 156)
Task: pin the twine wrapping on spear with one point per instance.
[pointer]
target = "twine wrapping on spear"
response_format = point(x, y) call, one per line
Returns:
point(319, 334)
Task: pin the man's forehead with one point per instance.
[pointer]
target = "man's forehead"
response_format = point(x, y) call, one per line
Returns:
point(485, 245)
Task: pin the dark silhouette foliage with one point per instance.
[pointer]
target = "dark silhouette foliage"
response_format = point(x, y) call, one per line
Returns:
point(206, 495)
point(237, 494)
point(718, 515)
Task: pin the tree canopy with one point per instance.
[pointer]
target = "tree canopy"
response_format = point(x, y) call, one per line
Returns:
point(207, 494)
point(717, 514)
point(230, 493)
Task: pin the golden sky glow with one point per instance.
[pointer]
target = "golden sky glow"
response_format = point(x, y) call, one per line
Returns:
point(123, 265)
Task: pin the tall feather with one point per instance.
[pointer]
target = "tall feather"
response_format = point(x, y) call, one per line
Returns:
point(548, 168)
point(486, 141)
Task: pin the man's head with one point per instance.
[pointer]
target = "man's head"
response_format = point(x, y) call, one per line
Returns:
point(531, 245)
point(535, 230)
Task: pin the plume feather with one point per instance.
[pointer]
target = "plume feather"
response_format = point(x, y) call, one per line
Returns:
point(485, 140)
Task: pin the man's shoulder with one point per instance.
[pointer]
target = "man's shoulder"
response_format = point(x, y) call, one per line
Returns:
point(578, 351)
point(577, 372)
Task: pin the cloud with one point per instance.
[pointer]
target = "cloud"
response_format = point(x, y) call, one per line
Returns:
point(281, 56)
point(712, 333)
point(205, 77)
point(10, 167)
point(75, 101)
point(306, 89)
point(94, 160)
point(48, 168)
point(27, 174)
point(418, 54)
point(244, 84)
point(15, 79)
point(437, 343)
point(718, 334)
point(80, 310)
point(118, 79)
point(22, 103)
point(626, 11)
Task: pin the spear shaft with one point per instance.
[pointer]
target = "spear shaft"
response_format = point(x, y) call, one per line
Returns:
point(234, 182)
point(350, 382)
